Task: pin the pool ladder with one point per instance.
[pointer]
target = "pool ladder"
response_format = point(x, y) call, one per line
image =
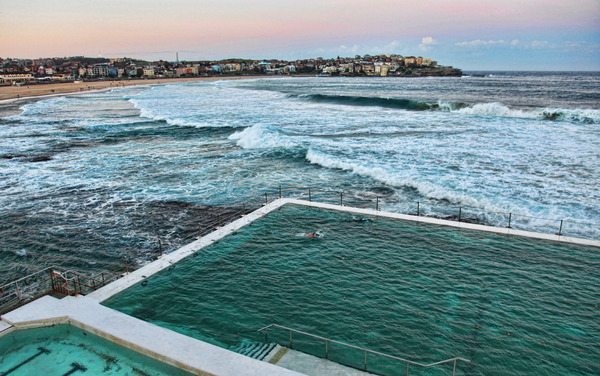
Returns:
point(327, 341)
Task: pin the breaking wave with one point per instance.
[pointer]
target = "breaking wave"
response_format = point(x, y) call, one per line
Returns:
point(496, 109)
point(382, 175)
point(260, 137)
point(171, 119)
point(397, 103)
point(587, 116)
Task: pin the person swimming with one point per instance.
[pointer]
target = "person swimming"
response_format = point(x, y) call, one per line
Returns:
point(363, 219)
point(316, 234)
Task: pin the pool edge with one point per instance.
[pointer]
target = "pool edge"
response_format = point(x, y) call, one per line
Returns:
point(164, 345)
point(168, 260)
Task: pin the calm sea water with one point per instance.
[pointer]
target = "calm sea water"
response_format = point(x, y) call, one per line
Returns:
point(87, 179)
point(513, 306)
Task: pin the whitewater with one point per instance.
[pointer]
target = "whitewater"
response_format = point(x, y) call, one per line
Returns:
point(88, 179)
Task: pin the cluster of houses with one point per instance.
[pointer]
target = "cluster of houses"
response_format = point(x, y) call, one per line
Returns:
point(13, 71)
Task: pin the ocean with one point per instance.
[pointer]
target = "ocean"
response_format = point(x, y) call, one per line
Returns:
point(88, 180)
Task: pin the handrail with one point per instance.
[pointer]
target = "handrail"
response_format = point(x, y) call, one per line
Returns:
point(29, 276)
point(80, 280)
point(25, 289)
point(327, 340)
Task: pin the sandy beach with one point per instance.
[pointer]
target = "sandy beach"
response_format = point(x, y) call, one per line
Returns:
point(13, 97)
point(36, 90)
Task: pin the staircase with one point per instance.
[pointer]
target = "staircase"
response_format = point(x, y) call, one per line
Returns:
point(255, 350)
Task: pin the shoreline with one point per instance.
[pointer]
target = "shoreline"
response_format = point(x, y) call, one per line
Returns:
point(12, 97)
point(12, 93)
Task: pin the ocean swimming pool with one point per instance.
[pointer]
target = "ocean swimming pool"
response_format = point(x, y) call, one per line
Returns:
point(67, 350)
point(424, 292)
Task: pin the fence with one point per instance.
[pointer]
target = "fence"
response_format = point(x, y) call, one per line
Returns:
point(462, 213)
point(57, 280)
point(48, 281)
point(380, 367)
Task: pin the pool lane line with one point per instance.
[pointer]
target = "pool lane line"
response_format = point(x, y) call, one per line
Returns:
point(75, 367)
point(41, 350)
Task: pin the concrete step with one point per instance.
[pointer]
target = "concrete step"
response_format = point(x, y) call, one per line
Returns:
point(255, 350)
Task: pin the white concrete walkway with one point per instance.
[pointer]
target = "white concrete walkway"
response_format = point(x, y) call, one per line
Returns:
point(313, 366)
point(184, 352)
point(190, 354)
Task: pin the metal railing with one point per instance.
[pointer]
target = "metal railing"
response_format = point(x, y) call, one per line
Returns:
point(24, 290)
point(70, 282)
point(46, 281)
point(365, 365)
point(458, 213)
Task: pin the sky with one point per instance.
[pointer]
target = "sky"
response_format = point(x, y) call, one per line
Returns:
point(468, 34)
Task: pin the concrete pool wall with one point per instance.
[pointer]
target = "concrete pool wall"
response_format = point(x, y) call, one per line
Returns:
point(169, 347)
point(168, 260)
point(184, 352)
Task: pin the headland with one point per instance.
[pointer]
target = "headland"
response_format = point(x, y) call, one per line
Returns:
point(20, 78)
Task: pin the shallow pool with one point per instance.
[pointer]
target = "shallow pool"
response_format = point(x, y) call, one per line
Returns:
point(512, 305)
point(66, 350)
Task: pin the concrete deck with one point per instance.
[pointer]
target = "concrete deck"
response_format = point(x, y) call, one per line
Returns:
point(162, 344)
point(189, 354)
point(4, 326)
point(313, 366)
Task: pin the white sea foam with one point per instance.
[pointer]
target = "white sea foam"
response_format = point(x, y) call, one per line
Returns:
point(496, 109)
point(260, 136)
point(40, 109)
point(448, 106)
point(21, 252)
point(589, 116)
point(144, 112)
point(383, 175)
point(153, 114)
point(208, 108)
point(527, 155)
point(500, 110)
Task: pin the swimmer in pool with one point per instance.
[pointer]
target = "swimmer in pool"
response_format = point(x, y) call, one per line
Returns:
point(316, 234)
point(354, 219)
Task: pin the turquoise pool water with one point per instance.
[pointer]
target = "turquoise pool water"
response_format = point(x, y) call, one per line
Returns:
point(66, 350)
point(514, 306)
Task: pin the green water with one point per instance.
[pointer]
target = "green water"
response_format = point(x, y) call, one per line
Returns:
point(514, 306)
point(66, 350)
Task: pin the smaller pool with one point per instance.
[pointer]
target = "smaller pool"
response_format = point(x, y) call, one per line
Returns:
point(64, 350)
